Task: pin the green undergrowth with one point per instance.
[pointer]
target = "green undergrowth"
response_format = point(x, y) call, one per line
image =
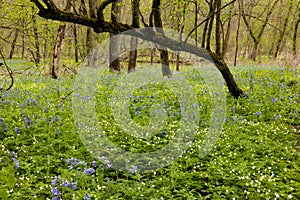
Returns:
point(255, 157)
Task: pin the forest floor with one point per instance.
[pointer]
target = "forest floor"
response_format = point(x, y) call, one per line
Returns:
point(256, 156)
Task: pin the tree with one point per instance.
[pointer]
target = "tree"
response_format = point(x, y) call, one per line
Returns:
point(114, 42)
point(49, 10)
point(58, 44)
point(257, 38)
point(283, 31)
point(155, 17)
point(296, 33)
point(133, 43)
point(90, 38)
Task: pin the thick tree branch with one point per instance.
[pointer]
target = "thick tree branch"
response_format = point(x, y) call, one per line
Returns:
point(38, 4)
point(102, 6)
point(145, 34)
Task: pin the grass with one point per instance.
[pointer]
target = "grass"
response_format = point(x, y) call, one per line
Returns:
point(256, 156)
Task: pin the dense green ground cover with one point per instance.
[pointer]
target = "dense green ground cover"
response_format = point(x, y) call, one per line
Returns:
point(256, 157)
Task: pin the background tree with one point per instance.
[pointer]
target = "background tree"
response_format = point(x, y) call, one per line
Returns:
point(59, 43)
point(135, 4)
point(114, 42)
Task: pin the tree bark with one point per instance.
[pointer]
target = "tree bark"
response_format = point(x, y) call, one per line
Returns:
point(133, 43)
point(295, 35)
point(210, 23)
point(36, 41)
point(164, 56)
point(218, 28)
point(114, 43)
point(237, 35)
point(55, 71)
point(13, 45)
point(227, 37)
point(76, 46)
point(90, 37)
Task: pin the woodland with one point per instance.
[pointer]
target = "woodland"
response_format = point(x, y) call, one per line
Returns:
point(253, 46)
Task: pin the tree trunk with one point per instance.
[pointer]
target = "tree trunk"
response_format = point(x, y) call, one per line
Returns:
point(55, 72)
point(218, 28)
point(257, 39)
point(76, 46)
point(13, 45)
point(227, 37)
point(210, 24)
point(45, 46)
point(36, 42)
point(134, 40)
point(23, 45)
point(114, 43)
point(295, 35)
point(237, 36)
point(90, 37)
point(100, 25)
point(282, 33)
point(164, 56)
point(196, 22)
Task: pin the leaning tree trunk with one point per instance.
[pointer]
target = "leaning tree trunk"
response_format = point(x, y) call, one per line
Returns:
point(100, 26)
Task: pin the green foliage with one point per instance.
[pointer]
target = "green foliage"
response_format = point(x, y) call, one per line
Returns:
point(257, 156)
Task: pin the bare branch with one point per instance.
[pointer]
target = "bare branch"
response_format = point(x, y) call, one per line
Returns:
point(211, 15)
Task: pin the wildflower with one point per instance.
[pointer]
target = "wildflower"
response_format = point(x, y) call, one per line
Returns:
point(17, 166)
point(27, 121)
point(34, 102)
point(17, 130)
point(133, 169)
point(107, 163)
point(70, 167)
point(89, 171)
point(55, 191)
point(54, 181)
point(73, 185)
point(233, 118)
point(28, 101)
point(87, 197)
point(94, 164)
point(57, 198)
point(72, 161)
point(65, 183)
point(276, 116)
point(274, 100)
point(258, 114)
point(58, 132)
point(2, 120)
point(163, 133)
